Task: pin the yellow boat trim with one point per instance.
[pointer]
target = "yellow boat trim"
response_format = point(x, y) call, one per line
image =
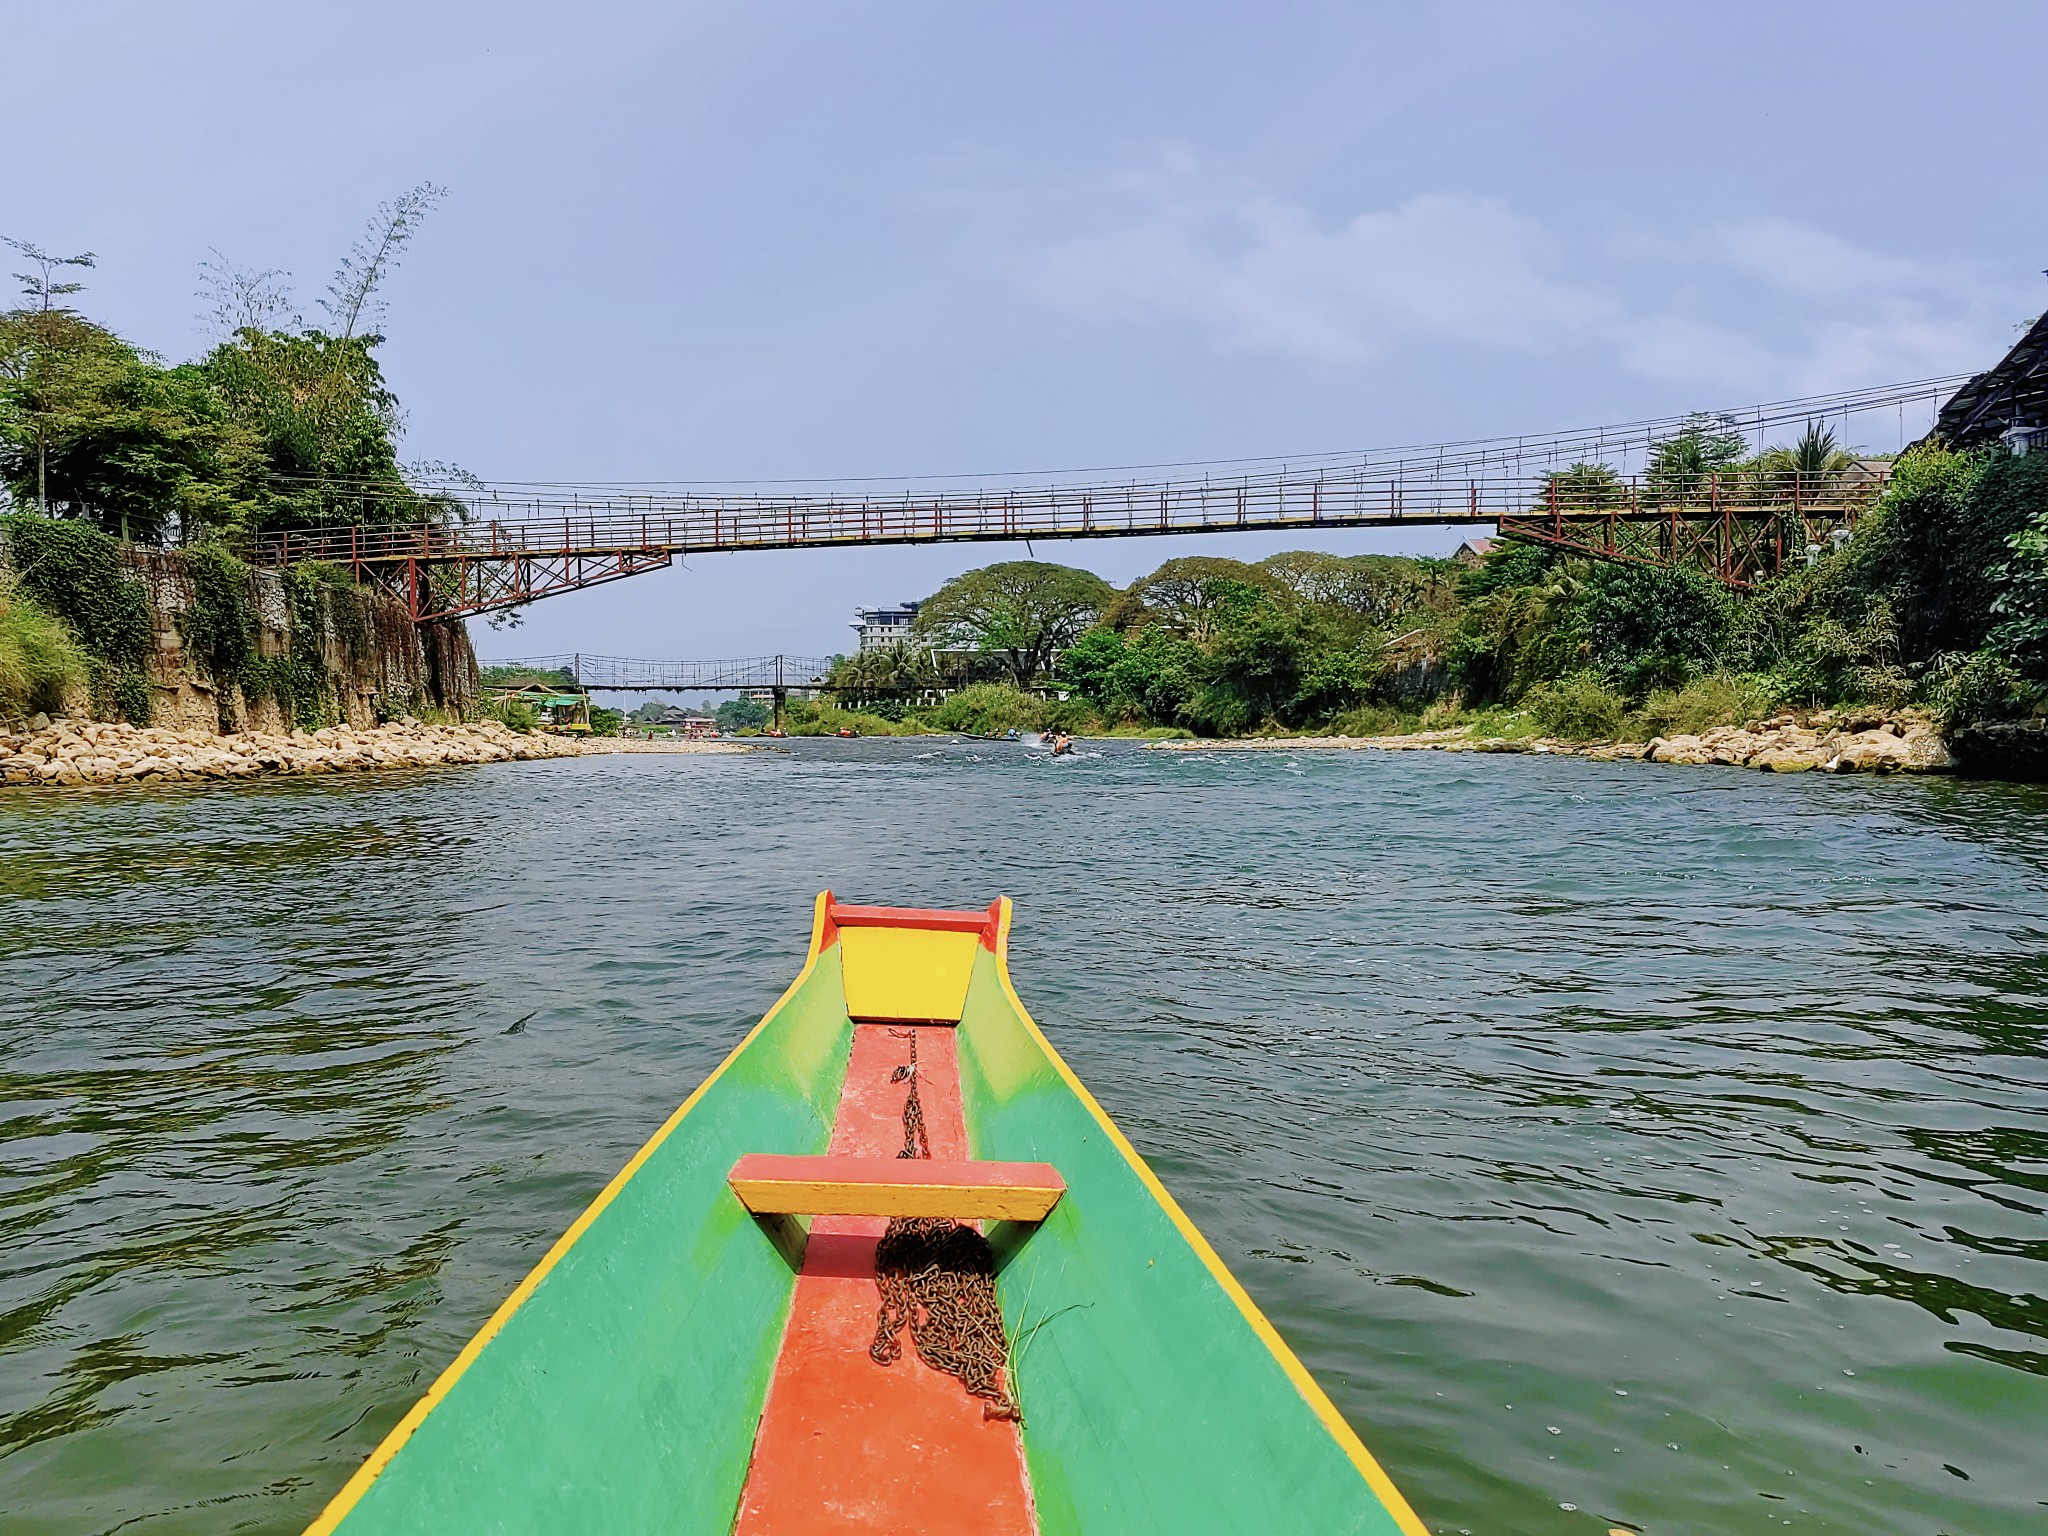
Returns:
point(1318, 1399)
point(352, 1491)
point(906, 975)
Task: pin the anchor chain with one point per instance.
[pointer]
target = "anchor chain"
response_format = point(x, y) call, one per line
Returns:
point(937, 1277)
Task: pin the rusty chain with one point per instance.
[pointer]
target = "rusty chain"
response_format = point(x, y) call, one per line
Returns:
point(937, 1277)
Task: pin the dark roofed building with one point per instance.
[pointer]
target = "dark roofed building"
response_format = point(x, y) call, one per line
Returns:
point(2007, 403)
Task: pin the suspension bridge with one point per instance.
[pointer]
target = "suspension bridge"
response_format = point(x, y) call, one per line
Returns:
point(621, 674)
point(508, 543)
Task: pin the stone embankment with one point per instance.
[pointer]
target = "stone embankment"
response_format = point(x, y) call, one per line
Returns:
point(86, 752)
point(1905, 742)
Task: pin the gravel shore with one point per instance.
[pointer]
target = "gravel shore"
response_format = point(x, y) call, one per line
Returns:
point(1903, 742)
point(90, 752)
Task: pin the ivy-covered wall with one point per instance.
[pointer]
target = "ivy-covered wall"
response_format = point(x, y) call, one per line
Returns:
point(197, 639)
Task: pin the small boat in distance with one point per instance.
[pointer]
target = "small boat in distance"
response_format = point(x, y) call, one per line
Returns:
point(890, 1268)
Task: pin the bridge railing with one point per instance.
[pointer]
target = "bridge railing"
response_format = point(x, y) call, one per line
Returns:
point(500, 529)
point(634, 675)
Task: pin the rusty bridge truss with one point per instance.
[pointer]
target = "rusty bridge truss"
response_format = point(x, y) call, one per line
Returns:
point(510, 544)
point(623, 674)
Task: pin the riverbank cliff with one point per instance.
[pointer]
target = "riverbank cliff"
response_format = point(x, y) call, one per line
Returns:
point(195, 639)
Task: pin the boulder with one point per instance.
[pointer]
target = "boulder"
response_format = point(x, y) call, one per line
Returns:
point(1690, 750)
point(1926, 751)
point(1870, 751)
point(1791, 756)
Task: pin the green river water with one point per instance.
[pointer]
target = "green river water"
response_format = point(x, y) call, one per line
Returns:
point(1622, 1146)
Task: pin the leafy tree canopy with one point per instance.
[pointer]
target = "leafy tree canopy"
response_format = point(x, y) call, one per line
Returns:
point(281, 425)
point(1186, 595)
point(1021, 611)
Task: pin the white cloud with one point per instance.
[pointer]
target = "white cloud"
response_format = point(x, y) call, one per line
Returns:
point(1769, 306)
point(1677, 350)
point(1259, 274)
point(1802, 259)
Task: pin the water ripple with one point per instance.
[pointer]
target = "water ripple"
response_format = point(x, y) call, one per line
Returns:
point(1672, 1146)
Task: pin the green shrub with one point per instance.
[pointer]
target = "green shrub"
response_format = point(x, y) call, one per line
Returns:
point(987, 707)
point(72, 570)
point(40, 659)
point(804, 717)
point(220, 627)
point(129, 691)
point(1499, 723)
point(514, 714)
point(1965, 687)
point(1371, 720)
point(1576, 708)
point(606, 722)
point(1719, 698)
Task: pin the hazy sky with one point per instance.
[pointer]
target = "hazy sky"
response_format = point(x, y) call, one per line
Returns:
point(725, 241)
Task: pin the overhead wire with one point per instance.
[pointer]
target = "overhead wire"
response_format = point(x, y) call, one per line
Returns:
point(1457, 457)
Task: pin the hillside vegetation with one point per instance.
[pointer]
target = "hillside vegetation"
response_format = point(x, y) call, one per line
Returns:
point(1939, 599)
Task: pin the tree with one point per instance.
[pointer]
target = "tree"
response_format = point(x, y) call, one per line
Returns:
point(1650, 627)
point(1582, 488)
point(1381, 588)
point(1682, 465)
point(1021, 611)
point(884, 672)
point(42, 289)
point(1815, 459)
point(314, 401)
point(1142, 674)
point(742, 715)
point(274, 428)
point(325, 426)
point(1184, 594)
point(91, 428)
point(351, 295)
point(1255, 661)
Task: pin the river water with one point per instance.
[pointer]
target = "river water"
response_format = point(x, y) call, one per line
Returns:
point(1622, 1146)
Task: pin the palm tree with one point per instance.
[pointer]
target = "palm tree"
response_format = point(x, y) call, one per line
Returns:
point(1813, 462)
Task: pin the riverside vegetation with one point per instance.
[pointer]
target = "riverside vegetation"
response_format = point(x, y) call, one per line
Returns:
point(1939, 602)
point(1932, 618)
point(135, 486)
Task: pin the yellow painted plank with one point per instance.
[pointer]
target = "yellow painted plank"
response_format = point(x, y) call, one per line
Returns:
point(907, 974)
point(847, 1186)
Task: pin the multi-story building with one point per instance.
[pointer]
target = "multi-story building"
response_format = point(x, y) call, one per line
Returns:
point(879, 627)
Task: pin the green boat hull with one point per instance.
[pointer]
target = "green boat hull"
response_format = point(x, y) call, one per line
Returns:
point(619, 1388)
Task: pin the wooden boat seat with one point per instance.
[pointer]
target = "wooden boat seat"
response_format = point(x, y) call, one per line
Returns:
point(775, 1184)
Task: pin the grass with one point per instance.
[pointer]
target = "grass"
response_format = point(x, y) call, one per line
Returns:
point(1577, 708)
point(516, 714)
point(1722, 698)
point(40, 659)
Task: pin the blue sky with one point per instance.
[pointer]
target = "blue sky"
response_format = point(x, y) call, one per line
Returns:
point(725, 241)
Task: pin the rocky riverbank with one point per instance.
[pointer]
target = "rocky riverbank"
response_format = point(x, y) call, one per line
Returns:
point(1906, 741)
point(88, 752)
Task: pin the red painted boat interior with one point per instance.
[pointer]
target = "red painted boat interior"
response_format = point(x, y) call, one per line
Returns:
point(844, 1444)
point(840, 914)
